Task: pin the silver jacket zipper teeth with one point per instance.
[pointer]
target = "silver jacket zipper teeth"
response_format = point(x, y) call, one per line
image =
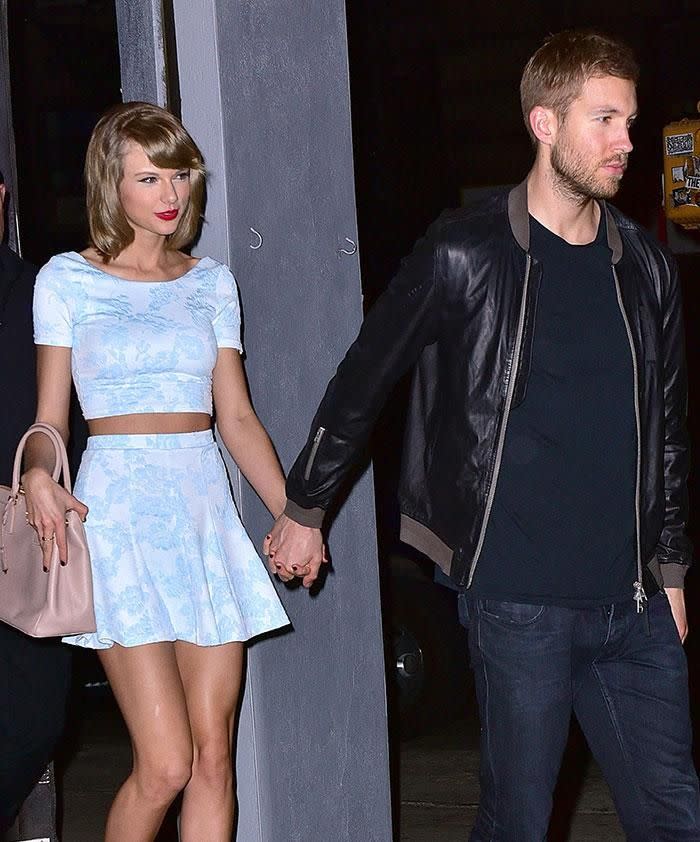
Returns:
point(506, 412)
point(314, 450)
point(639, 596)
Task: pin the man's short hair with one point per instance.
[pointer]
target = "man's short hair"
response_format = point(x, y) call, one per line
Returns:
point(166, 143)
point(556, 73)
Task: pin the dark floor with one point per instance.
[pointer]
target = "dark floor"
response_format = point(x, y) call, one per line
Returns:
point(439, 791)
point(437, 773)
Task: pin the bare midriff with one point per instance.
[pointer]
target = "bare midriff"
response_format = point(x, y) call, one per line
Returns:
point(150, 423)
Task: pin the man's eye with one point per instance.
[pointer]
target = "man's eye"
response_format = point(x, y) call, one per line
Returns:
point(604, 118)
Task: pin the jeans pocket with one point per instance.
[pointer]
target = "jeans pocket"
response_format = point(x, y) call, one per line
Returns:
point(511, 613)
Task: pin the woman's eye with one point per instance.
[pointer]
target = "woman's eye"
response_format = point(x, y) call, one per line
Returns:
point(149, 179)
point(183, 176)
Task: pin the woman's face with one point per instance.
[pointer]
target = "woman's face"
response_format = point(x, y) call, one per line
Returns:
point(153, 199)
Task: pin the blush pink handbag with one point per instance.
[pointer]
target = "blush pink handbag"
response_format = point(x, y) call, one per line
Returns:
point(43, 604)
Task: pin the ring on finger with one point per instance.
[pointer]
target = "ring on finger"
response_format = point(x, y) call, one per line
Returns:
point(45, 538)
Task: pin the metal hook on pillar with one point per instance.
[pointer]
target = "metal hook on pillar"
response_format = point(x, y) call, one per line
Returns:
point(350, 242)
point(260, 239)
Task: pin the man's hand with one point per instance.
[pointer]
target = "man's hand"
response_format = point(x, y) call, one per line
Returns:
point(294, 550)
point(676, 599)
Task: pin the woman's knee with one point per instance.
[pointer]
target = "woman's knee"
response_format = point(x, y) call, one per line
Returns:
point(213, 762)
point(162, 777)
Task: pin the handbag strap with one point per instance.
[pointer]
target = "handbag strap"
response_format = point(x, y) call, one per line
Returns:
point(60, 456)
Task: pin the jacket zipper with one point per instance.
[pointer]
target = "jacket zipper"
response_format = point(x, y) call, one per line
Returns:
point(314, 451)
point(504, 423)
point(639, 596)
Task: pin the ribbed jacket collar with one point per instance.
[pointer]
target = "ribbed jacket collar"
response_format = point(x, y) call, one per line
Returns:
point(520, 221)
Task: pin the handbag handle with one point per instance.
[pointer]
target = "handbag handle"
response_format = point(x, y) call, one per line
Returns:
point(60, 461)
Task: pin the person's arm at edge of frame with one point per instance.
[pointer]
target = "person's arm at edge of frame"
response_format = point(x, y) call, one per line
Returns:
point(674, 548)
point(399, 325)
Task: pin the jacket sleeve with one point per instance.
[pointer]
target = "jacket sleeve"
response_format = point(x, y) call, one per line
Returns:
point(399, 325)
point(674, 548)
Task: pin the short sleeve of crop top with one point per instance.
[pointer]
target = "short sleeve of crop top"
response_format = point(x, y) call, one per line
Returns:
point(227, 321)
point(53, 321)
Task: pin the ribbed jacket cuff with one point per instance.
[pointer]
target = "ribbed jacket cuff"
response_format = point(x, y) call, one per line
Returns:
point(673, 574)
point(306, 517)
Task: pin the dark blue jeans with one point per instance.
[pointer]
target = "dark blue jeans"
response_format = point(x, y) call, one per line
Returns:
point(623, 674)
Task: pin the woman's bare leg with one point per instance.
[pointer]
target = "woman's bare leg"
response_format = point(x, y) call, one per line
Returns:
point(147, 686)
point(211, 677)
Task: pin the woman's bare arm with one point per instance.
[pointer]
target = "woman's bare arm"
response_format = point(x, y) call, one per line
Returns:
point(47, 501)
point(244, 436)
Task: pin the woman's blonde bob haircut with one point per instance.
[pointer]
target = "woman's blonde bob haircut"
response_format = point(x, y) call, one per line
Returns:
point(166, 143)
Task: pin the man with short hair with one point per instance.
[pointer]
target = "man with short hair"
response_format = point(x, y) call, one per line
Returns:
point(546, 457)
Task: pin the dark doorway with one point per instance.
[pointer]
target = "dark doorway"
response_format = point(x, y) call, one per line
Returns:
point(64, 71)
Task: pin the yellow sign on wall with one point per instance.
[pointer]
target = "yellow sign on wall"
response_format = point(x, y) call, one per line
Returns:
point(682, 172)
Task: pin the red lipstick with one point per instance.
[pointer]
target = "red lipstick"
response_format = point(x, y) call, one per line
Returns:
point(169, 215)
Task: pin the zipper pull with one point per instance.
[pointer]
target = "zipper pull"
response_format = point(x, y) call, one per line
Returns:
point(639, 596)
point(312, 454)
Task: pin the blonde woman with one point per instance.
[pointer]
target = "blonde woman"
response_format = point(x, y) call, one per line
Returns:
point(152, 338)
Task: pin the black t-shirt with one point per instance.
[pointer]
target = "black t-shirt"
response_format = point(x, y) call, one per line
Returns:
point(562, 526)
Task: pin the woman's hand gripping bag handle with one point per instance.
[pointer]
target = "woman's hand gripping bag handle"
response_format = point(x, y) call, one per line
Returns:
point(39, 602)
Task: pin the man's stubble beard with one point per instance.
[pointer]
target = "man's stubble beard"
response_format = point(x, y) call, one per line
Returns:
point(575, 180)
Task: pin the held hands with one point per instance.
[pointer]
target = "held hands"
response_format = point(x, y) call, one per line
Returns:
point(47, 504)
point(294, 550)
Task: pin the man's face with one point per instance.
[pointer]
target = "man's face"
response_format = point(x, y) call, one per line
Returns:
point(589, 154)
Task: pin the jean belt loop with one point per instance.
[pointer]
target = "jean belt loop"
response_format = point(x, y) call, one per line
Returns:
point(463, 607)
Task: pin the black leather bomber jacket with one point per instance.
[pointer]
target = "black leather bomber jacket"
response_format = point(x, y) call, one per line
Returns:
point(463, 305)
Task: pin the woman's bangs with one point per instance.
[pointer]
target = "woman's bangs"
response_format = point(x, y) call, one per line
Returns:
point(167, 151)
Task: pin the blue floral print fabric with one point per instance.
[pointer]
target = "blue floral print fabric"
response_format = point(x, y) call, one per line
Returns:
point(170, 557)
point(138, 346)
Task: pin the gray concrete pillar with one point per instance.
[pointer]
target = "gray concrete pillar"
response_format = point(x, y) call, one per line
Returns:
point(264, 90)
point(142, 50)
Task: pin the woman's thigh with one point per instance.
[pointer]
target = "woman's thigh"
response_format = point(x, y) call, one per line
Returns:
point(146, 683)
point(211, 679)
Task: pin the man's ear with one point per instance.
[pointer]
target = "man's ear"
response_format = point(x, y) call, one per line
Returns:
point(3, 191)
point(544, 124)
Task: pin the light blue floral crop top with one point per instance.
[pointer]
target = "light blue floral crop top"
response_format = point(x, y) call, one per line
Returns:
point(138, 346)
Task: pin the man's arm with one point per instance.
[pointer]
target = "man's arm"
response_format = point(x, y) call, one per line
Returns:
point(674, 548)
point(401, 323)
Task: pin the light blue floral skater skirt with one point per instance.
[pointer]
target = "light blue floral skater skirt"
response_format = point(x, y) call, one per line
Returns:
point(170, 557)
